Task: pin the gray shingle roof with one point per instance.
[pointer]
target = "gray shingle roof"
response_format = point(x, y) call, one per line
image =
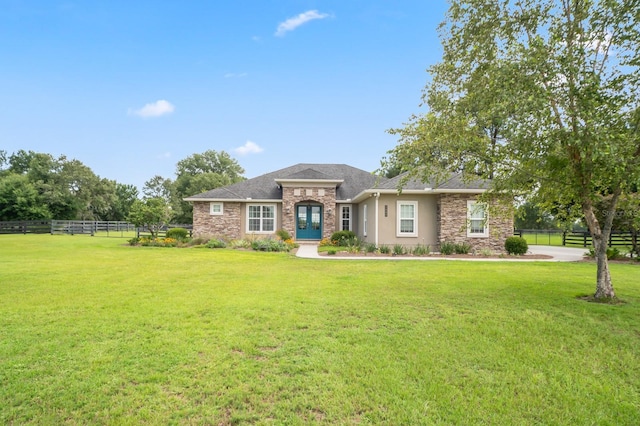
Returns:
point(265, 187)
point(455, 182)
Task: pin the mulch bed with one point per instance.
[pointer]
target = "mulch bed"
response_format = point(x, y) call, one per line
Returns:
point(436, 256)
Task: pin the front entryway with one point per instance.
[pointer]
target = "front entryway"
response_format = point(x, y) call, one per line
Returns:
point(308, 222)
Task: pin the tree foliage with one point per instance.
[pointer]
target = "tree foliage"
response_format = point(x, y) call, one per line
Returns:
point(37, 185)
point(151, 213)
point(199, 173)
point(543, 97)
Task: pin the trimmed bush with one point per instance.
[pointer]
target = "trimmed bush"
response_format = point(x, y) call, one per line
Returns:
point(179, 234)
point(516, 245)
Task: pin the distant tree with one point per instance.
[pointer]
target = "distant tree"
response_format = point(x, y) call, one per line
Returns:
point(199, 173)
point(158, 187)
point(126, 195)
point(543, 97)
point(67, 189)
point(19, 199)
point(4, 162)
point(530, 216)
point(151, 213)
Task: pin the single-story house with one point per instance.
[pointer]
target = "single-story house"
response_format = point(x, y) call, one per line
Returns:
point(312, 201)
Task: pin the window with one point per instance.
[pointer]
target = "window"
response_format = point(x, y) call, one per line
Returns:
point(345, 218)
point(261, 218)
point(215, 208)
point(364, 220)
point(477, 224)
point(407, 214)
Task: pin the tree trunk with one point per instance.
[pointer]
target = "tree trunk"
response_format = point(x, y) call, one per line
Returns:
point(600, 238)
point(604, 286)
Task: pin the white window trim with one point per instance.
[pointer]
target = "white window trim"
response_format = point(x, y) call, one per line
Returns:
point(216, 213)
point(275, 219)
point(347, 206)
point(364, 220)
point(470, 205)
point(399, 233)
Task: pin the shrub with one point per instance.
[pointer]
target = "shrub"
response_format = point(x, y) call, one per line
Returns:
point(398, 249)
point(370, 248)
point(179, 234)
point(198, 241)
point(421, 250)
point(462, 248)
point(331, 252)
point(326, 242)
point(343, 238)
point(134, 241)
point(516, 245)
point(240, 244)
point(447, 248)
point(613, 253)
point(167, 242)
point(283, 234)
point(268, 244)
point(216, 243)
point(384, 249)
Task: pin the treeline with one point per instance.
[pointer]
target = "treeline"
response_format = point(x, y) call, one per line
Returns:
point(36, 186)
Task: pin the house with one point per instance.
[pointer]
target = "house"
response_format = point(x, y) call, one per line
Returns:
point(312, 201)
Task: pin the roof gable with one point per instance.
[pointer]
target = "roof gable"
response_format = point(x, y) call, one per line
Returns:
point(265, 187)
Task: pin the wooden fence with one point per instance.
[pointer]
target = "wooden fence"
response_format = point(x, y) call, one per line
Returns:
point(616, 239)
point(71, 227)
point(144, 232)
point(577, 238)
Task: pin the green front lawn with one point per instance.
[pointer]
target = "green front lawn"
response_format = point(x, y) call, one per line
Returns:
point(94, 331)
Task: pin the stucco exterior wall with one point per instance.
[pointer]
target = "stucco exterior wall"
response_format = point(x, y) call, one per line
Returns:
point(452, 217)
point(427, 225)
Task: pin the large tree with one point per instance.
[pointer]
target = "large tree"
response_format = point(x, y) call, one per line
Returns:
point(199, 173)
point(543, 97)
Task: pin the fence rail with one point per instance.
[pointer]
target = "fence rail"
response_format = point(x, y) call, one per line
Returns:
point(71, 227)
point(144, 232)
point(575, 238)
point(584, 239)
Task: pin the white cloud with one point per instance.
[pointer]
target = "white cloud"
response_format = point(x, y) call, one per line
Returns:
point(294, 22)
point(248, 148)
point(154, 109)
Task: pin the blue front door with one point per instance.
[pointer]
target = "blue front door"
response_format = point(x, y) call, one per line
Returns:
point(308, 222)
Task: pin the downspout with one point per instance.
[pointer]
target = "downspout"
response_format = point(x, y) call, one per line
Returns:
point(377, 195)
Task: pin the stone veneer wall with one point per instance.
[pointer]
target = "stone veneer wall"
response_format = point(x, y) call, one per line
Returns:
point(452, 220)
point(328, 201)
point(226, 225)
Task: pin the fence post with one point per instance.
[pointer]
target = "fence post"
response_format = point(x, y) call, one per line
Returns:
point(564, 238)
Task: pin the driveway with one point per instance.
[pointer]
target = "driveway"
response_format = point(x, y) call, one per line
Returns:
point(558, 254)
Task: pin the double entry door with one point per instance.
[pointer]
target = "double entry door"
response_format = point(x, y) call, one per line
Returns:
point(308, 222)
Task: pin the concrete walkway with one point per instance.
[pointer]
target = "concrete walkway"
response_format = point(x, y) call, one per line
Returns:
point(559, 254)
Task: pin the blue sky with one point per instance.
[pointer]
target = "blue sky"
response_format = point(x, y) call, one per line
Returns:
point(131, 87)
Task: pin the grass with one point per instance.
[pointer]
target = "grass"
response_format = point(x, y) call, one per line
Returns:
point(544, 238)
point(95, 331)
